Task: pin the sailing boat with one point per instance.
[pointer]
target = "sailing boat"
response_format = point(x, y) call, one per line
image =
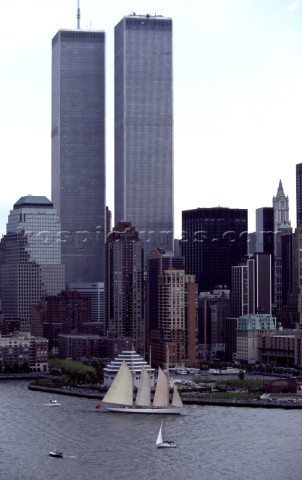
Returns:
point(119, 397)
point(55, 452)
point(160, 442)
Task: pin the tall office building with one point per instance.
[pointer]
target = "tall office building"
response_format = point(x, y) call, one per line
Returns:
point(265, 232)
point(214, 240)
point(251, 290)
point(282, 228)
point(144, 128)
point(124, 285)
point(171, 311)
point(31, 265)
point(78, 150)
point(299, 193)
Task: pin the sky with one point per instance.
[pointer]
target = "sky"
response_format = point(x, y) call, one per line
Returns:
point(237, 68)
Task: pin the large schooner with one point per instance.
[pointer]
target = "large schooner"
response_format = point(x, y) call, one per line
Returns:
point(120, 398)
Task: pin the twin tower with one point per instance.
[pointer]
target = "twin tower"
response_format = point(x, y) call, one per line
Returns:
point(143, 139)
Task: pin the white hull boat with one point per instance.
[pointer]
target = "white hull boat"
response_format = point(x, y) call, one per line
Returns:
point(52, 403)
point(56, 454)
point(161, 410)
point(119, 397)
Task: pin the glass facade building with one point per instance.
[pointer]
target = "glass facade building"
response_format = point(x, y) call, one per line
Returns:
point(31, 265)
point(78, 150)
point(144, 128)
point(299, 193)
point(214, 240)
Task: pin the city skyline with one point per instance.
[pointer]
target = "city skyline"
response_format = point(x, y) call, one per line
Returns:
point(237, 100)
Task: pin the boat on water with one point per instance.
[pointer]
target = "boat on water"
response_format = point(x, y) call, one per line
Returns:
point(52, 403)
point(56, 453)
point(119, 397)
point(161, 442)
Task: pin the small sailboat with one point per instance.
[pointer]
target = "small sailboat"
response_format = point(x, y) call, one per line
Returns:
point(119, 396)
point(161, 442)
point(56, 453)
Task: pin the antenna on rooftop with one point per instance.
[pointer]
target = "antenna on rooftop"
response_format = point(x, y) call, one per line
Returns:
point(78, 15)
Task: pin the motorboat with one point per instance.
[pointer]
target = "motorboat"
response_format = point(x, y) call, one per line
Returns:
point(56, 453)
point(52, 403)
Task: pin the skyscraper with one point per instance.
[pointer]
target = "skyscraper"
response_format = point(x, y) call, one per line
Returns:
point(214, 240)
point(144, 128)
point(265, 233)
point(78, 150)
point(31, 265)
point(124, 285)
point(282, 228)
point(171, 311)
point(299, 193)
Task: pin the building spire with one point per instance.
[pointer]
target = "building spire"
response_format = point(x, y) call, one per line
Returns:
point(78, 15)
point(280, 191)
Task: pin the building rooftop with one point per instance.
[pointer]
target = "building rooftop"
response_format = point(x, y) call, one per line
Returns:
point(33, 201)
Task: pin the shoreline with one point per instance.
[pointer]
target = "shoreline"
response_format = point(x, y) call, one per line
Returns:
point(71, 392)
point(192, 400)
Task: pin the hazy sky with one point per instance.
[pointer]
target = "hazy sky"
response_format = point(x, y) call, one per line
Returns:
point(237, 97)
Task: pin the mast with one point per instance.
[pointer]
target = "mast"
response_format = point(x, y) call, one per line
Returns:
point(78, 15)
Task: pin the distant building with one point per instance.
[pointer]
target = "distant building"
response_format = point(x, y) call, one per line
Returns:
point(265, 233)
point(9, 325)
point(249, 331)
point(299, 194)
point(171, 311)
point(214, 240)
point(135, 363)
point(31, 265)
point(213, 311)
point(143, 127)
point(124, 285)
point(81, 347)
point(282, 228)
point(282, 347)
point(277, 348)
point(78, 150)
point(95, 291)
point(22, 351)
point(67, 313)
point(251, 290)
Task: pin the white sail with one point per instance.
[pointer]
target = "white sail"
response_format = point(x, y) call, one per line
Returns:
point(160, 435)
point(176, 400)
point(161, 395)
point(121, 390)
point(143, 397)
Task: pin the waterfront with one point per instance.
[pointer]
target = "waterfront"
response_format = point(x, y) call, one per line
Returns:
point(213, 442)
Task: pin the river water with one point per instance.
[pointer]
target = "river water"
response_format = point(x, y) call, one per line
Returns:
point(213, 443)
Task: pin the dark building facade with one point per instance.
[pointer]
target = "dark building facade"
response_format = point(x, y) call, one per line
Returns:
point(68, 313)
point(265, 230)
point(214, 240)
point(299, 193)
point(213, 312)
point(124, 285)
point(144, 193)
point(78, 150)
